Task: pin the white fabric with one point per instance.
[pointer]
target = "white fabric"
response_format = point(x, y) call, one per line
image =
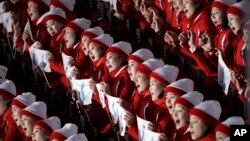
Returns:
point(143, 54)
point(55, 11)
point(54, 122)
point(153, 63)
point(8, 86)
point(38, 57)
point(77, 137)
point(82, 23)
point(227, 2)
point(234, 120)
point(193, 97)
point(3, 71)
point(123, 46)
point(68, 130)
point(211, 107)
point(244, 7)
point(26, 98)
point(113, 107)
point(95, 30)
point(184, 84)
point(106, 39)
point(38, 108)
point(168, 72)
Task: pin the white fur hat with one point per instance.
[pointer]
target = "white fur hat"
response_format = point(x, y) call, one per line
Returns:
point(224, 127)
point(240, 9)
point(8, 89)
point(223, 4)
point(121, 48)
point(208, 111)
point(44, 4)
point(141, 55)
point(77, 137)
point(166, 74)
point(49, 125)
point(64, 4)
point(103, 41)
point(149, 65)
point(37, 110)
point(3, 71)
point(79, 25)
point(93, 32)
point(180, 87)
point(68, 130)
point(55, 13)
point(190, 99)
point(24, 100)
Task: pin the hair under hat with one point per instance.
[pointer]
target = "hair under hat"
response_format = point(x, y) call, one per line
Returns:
point(24, 100)
point(208, 111)
point(180, 87)
point(190, 99)
point(49, 125)
point(141, 55)
point(8, 89)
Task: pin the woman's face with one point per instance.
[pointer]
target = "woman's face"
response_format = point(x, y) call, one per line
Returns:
point(234, 22)
point(39, 135)
point(178, 6)
point(170, 99)
point(84, 45)
point(27, 124)
point(217, 16)
point(70, 37)
point(189, 8)
point(220, 136)
point(155, 88)
point(197, 127)
point(33, 10)
point(180, 116)
point(113, 61)
point(53, 27)
point(142, 82)
point(3, 106)
point(132, 65)
point(16, 114)
point(95, 52)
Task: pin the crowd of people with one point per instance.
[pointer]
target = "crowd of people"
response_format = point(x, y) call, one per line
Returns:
point(161, 70)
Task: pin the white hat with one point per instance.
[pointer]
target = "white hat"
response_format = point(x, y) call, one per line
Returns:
point(180, 87)
point(166, 74)
point(3, 71)
point(240, 9)
point(24, 100)
point(77, 137)
point(79, 25)
point(149, 65)
point(121, 48)
point(49, 125)
point(223, 4)
point(208, 111)
point(224, 127)
point(141, 55)
point(66, 5)
point(190, 99)
point(55, 13)
point(68, 130)
point(44, 4)
point(36, 110)
point(8, 89)
point(103, 40)
point(93, 32)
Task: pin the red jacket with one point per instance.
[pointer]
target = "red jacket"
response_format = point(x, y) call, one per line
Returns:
point(99, 71)
point(181, 134)
point(12, 132)
point(3, 122)
point(136, 102)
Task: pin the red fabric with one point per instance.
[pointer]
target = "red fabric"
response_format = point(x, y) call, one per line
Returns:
point(3, 122)
point(181, 134)
point(46, 128)
point(210, 120)
point(13, 133)
point(20, 9)
point(239, 60)
point(209, 137)
point(136, 101)
point(99, 70)
point(58, 136)
point(176, 91)
point(121, 86)
point(223, 128)
point(236, 11)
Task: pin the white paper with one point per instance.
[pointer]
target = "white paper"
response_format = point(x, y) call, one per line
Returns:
point(151, 136)
point(1, 18)
point(82, 86)
point(38, 57)
point(224, 74)
point(101, 94)
point(7, 21)
point(28, 29)
point(66, 59)
point(113, 107)
point(122, 123)
point(142, 125)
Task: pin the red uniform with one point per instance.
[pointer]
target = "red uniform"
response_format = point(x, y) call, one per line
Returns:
point(239, 60)
point(99, 70)
point(3, 122)
point(181, 134)
point(12, 132)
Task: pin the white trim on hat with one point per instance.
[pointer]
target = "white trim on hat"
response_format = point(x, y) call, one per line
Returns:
point(77, 137)
point(54, 11)
point(8, 86)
